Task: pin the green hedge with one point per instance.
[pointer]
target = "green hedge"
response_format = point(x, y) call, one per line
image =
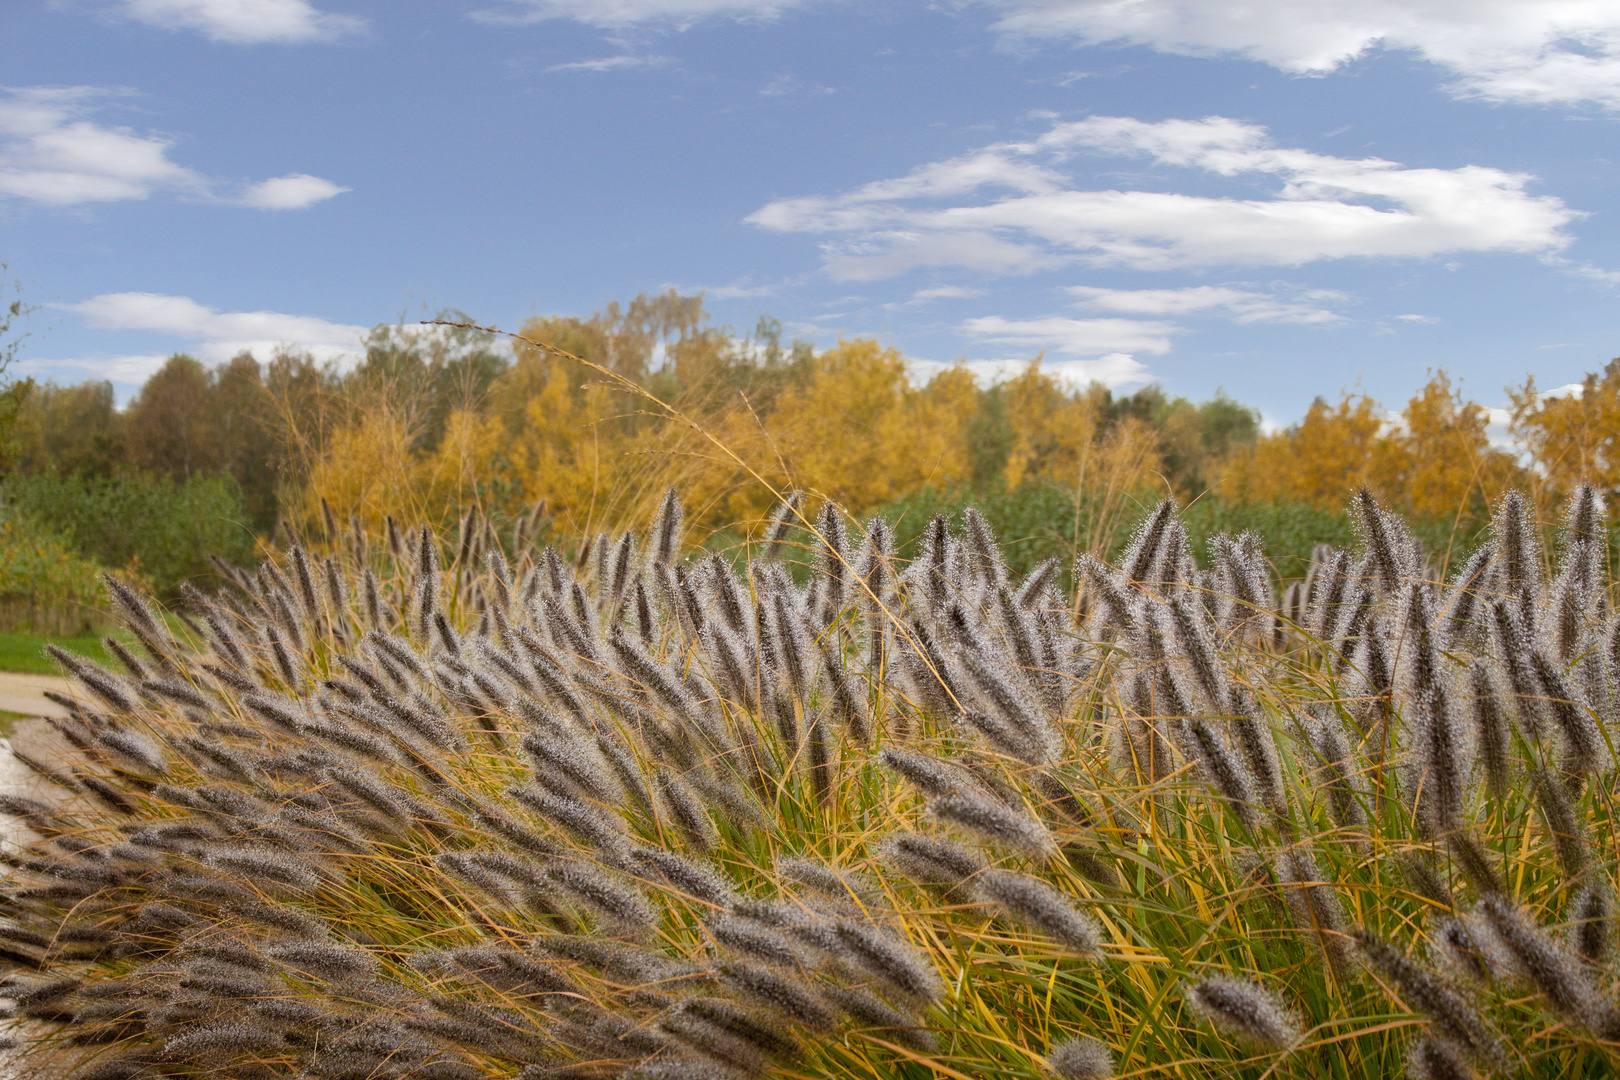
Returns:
point(157, 529)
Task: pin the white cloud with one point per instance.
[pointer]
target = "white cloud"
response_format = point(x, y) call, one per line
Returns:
point(612, 63)
point(742, 289)
point(291, 192)
point(1596, 273)
point(215, 336)
point(945, 292)
point(1116, 370)
point(1520, 51)
point(789, 85)
point(127, 371)
point(1426, 319)
point(618, 13)
point(1499, 429)
point(51, 152)
point(924, 297)
point(1010, 209)
point(1077, 337)
point(1241, 305)
point(243, 22)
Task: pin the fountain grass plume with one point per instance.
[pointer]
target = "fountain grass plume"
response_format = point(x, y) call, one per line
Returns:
point(1561, 978)
point(1591, 912)
point(1453, 1019)
point(993, 823)
point(1084, 1058)
point(931, 861)
point(1389, 546)
point(1245, 1010)
point(1492, 734)
point(688, 817)
point(1436, 1059)
point(1145, 550)
point(1038, 905)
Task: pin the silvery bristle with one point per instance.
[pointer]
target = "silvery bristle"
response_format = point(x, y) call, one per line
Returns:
point(1244, 1009)
point(1084, 1058)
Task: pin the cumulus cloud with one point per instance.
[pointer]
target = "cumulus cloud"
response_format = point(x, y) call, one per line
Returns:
point(52, 152)
point(1010, 208)
point(1519, 51)
point(215, 336)
point(1241, 305)
point(291, 192)
point(619, 13)
point(243, 22)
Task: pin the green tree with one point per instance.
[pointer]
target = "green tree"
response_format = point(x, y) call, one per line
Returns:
point(171, 428)
point(244, 425)
point(75, 429)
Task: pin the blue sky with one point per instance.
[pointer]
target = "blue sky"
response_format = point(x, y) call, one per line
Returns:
point(1282, 199)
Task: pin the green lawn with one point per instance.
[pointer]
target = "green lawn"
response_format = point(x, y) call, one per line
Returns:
point(26, 652)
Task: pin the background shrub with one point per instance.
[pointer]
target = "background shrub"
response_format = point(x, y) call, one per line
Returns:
point(1041, 521)
point(158, 529)
point(44, 585)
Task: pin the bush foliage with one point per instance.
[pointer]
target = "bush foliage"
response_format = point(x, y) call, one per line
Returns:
point(44, 585)
point(156, 529)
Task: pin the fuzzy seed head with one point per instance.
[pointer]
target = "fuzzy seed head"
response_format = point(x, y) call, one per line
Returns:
point(1085, 1058)
point(1244, 1010)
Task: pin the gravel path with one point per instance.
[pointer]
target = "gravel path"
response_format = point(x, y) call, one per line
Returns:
point(25, 694)
point(20, 693)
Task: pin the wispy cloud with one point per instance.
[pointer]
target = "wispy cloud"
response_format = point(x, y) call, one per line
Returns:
point(1117, 371)
point(1240, 305)
point(1531, 52)
point(924, 297)
point(1009, 208)
point(218, 335)
point(52, 152)
point(788, 85)
point(1077, 337)
point(677, 14)
point(243, 22)
point(612, 63)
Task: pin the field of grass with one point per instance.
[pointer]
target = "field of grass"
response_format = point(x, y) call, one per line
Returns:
point(26, 652)
point(916, 817)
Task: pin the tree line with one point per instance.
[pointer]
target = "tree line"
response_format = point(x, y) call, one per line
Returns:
point(596, 416)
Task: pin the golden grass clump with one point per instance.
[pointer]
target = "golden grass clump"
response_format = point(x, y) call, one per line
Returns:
point(393, 808)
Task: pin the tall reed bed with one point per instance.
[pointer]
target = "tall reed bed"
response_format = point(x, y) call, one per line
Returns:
point(409, 809)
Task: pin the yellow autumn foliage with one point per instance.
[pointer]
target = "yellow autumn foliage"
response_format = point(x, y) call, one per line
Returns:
point(665, 400)
point(1573, 436)
point(1433, 459)
point(851, 424)
point(860, 434)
